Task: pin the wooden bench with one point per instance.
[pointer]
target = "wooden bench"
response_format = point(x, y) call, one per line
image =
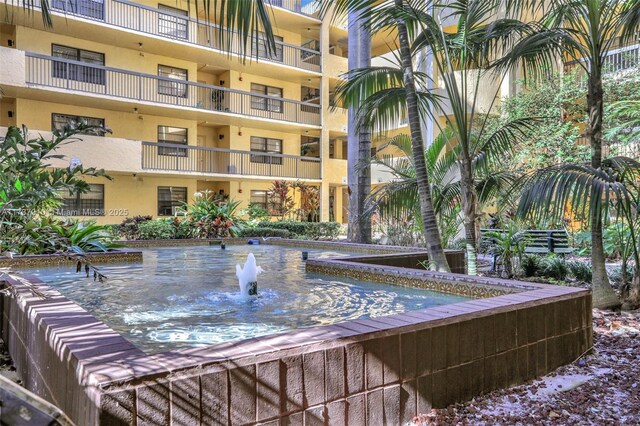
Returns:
point(543, 241)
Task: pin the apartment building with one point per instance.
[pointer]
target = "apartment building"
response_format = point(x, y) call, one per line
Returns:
point(185, 114)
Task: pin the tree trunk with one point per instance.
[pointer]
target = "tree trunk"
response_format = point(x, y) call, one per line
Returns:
point(359, 143)
point(437, 257)
point(603, 295)
point(469, 206)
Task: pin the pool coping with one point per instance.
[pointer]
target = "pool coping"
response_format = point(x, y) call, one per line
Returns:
point(104, 367)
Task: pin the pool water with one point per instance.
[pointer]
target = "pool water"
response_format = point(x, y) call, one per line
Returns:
point(180, 297)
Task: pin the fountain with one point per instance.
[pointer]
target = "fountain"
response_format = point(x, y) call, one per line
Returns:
point(248, 276)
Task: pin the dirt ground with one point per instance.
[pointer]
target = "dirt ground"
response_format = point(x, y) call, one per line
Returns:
point(601, 389)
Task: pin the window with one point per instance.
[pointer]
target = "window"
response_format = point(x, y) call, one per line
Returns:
point(169, 87)
point(90, 203)
point(260, 47)
point(171, 24)
point(260, 198)
point(267, 145)
point(175, 136)
point(82, 73)
point(264, 102)
point(89, 8)
point(58, 121)
point(169, 199)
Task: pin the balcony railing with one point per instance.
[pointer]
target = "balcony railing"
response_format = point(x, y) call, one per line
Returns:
point(165, 23)
point(617, 60)
point(105, 81)
point(185, 158)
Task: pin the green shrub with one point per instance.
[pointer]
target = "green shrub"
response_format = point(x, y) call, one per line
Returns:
point(581, 271)
point(261, 231)
point(256, 212)
point(308, 230)
point(159, 229)
point(130, 227)
point(555, 267)
point(531, 265)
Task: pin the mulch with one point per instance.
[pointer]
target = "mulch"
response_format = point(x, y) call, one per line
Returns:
point(602, 388)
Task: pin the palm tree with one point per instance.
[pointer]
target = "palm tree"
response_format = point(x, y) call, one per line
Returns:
point(610, 190)
point(359, 139)
point(582, 30)
point(397, 18)
point(398, 198)
point(462, 58)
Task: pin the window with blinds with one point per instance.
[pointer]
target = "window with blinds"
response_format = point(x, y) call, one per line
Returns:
point(266, 145)
point(78, 72)
point(90, 203)
point(174, 136)
point(59, 121)
point(174, 23)
point(170, 198)
point(270, 102)
point(169, 87)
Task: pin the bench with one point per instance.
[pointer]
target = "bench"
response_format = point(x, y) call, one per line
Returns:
point(543, 241)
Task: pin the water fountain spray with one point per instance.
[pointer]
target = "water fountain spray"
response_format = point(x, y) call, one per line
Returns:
point(248, 276)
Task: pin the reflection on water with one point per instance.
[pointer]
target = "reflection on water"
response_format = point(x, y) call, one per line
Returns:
point(190, 296)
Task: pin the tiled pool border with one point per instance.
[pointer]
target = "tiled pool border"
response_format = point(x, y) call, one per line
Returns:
point(382, 370)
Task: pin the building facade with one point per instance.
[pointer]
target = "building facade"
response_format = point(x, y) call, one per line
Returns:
point(187, 113)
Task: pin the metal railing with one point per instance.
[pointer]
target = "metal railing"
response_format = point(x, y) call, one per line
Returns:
point(616, 60)
point(83, 77)
point(165, 23)
point(185, 158)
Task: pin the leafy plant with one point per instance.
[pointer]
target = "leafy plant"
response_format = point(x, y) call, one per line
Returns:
point(129, 228)
point(507, 245)
point(555, 267)
point(260, 231)
point(530, 265)
point(280, 201)
point(211, 216)
point(159, 229)
point(256, 212)
point(581, 271)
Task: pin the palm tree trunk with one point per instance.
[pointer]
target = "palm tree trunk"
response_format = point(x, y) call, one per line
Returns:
point(469, 206)
point(431, 232)
point(603, 294)
point(359, 141)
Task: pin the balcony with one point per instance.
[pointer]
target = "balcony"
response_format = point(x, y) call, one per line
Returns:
point(217, 161)
point(173, 26)
point(617, 60)
point(84, 78)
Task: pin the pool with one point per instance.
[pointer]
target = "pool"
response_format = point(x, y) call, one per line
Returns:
point(189, 296)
